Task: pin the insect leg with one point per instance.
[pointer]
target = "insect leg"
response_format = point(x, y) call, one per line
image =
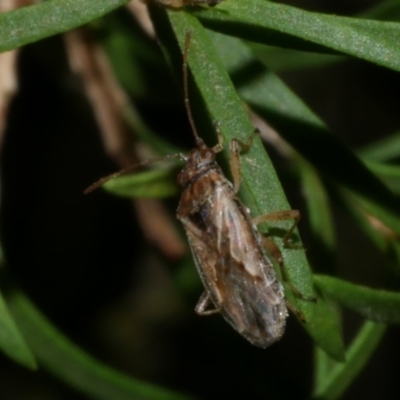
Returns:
point(281, 216)
point(235, 147)
point(273, 249)
point(203, 303)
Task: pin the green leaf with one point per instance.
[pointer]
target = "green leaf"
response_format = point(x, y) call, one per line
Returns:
point(374, 156)
point(383, 150)
point(381, 236)
point(332, 379)
point(11, 340)
point(32, 23)
point(376, 305)
point(282, 59)
point(389, 174)
point(74, 366)
point(384, 211)
point(385, 10)
point(156, 183)
point(349, 203)
point(319, 214)
point(285, 26)
point(325, 328)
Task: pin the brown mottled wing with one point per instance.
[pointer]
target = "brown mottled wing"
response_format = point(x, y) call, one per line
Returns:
point(234, 270)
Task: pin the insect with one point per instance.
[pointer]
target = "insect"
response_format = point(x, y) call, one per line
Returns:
point(183, 3)
point(239, 279)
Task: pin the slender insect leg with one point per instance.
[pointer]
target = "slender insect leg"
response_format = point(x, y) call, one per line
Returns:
point(281, 216)
point(199, 141)
point(273, 249)
point(203, 303)
point(235, 147)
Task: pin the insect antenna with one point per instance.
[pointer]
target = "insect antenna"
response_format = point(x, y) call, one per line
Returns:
point(123, 171)
point(199, 141)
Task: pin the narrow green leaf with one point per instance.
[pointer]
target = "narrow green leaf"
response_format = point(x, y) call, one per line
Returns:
point(318, 205)
point(29, 24)
point(282, 59)
point(376, 305)
point(389, 174)
point(335, 378)
point(325, 328)
point(11, 340)
point(387, 213)
point(323, 365)
point(320, 215)
point(349, 203)
point(383, 150)
point(157, 183)
point(388, 10)
point(381, 236)
point(285, 26)
point(75, 367)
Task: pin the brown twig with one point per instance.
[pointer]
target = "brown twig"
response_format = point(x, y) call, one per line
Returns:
point(141, 14)
point(8, 76)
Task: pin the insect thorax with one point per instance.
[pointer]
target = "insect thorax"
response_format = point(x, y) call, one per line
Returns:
point(199, 162)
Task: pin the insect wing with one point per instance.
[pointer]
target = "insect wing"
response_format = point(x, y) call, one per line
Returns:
point(237, 275)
